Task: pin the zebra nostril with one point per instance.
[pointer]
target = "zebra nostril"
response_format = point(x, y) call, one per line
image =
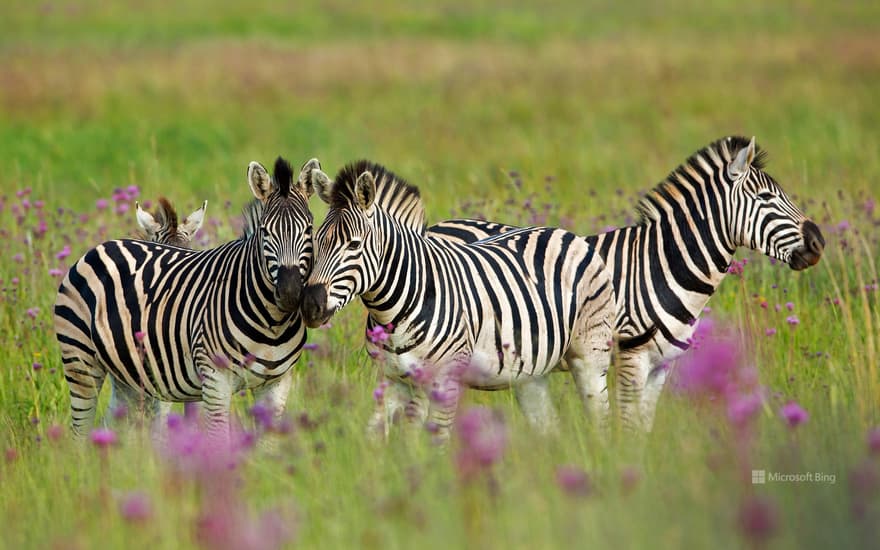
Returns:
point(813, 238)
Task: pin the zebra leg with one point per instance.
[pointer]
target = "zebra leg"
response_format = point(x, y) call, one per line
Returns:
point(589, 355)
point(591, 380)
point(396, 398)
point(84, 378)
point(632, 377)
point(217, 389)
point(535, 403)
point(653, 390)
point(274, 395)
point(443, 407)
point(131, 401)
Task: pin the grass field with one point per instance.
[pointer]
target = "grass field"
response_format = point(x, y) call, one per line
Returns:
point(590, 103)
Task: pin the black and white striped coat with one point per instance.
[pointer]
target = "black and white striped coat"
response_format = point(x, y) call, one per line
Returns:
point(665, 268)
point(497, 314)
point(183, 325)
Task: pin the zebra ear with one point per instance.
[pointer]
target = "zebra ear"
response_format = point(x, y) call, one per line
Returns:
point(305, 181)
point(193, 222)
point(146, 220)
point(742, 161)
point(259, 180)
point(365, 191)
point(323, 185)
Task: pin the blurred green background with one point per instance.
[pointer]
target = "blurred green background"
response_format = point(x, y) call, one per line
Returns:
point(178, 97)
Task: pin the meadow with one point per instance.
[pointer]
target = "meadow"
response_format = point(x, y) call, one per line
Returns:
point(558, 115)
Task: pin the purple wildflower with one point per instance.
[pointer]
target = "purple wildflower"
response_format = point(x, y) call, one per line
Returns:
point(65, 252)
point(482, 436)
point(139, 336)
point(55, 272)
point(262, 415)
point(792, 320)
point(36, 366)
point(743, 407)
point(18, 258)
point(103, 437)
point(136, 507)
point(32, 312)
point(54, 432)
point(758, 518)
point(874, 441)
point(770, 332)
point(379, 392)
point(789, 306)
point(101, 204)
point(310, 346)
point(794, 414)
point(377, 334)
point(573, 481)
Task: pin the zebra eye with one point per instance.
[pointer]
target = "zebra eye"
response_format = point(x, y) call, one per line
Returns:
point(354, 245)
point(766, 196)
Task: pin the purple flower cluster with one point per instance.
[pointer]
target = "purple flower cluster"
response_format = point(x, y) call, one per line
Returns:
point(482, 437)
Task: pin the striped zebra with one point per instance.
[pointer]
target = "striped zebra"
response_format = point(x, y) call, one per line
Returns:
point(496, 314)
point(162, 227)
point(666, 267)
point(183, 325)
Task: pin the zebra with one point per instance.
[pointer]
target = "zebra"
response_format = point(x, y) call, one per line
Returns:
point(184, 325)
point(667, 266)
point(496, 314)
point(162, 227)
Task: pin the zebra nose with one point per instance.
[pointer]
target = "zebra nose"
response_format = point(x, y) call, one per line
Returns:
point(314, 304)
point(813, 239)
point(288, 288)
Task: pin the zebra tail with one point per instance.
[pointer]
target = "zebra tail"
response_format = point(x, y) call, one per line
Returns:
point(632, 342)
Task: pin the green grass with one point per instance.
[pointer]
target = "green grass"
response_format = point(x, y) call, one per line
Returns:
point(178, 98)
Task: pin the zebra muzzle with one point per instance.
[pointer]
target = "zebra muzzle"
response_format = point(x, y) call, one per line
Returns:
point(811, 251)
point(288, 289)
point(314, 305)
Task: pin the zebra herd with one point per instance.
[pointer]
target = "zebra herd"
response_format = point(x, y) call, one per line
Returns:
point(465, 303)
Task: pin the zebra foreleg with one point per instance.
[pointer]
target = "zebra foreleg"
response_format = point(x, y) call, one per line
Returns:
point(443, 407)
point(217, 389)
point(535, 403)
point(591, 380)
point(397, 399)
point(127, 400)
point(274, 396)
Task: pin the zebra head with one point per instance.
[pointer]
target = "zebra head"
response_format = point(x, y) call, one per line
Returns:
point(284, 228)
point(349, 245)
point(164, 228)
point(762, 217)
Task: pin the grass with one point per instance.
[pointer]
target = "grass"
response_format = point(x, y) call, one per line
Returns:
point(177, 99)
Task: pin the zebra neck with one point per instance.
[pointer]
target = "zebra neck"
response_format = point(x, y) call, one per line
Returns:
point(258, 287)
point(663, 270)
point(399, 294)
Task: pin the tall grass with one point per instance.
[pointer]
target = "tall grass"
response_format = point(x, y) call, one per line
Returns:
point(561, 116)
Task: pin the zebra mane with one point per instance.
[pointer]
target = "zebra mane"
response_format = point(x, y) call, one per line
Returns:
point(169, 215)
point(718, 153)
point(251, 214)
point(393, 193)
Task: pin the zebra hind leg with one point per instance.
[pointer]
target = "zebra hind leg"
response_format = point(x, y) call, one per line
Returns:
point(632, 378)
point(84, 379)
point(534, 401)
point(653, 390)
